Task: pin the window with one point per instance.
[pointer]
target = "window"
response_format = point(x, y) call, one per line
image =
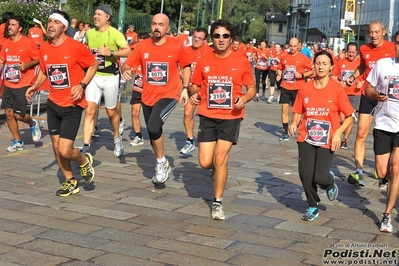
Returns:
point(280, 27)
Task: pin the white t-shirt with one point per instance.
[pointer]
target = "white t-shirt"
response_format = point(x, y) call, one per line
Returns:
point(385, 76)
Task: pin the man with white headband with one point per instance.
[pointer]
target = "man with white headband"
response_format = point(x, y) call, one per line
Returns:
point(63, 61)
point(107, 44)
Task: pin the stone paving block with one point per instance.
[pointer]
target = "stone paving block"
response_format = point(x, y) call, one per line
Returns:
point(7, 263)
point(54, 213)
point(150, 203)
point(175, 258)
point(205, 240)
point(251, 260)
point(159, 232)
point(108, 223)
point(208, 231)
point(5, 249)
point(70, 226)
point(258, 220)
point(61, 249)
point(164, 222)
point(31, 199)
point(178, 199)
point(193, 249)
point(102, 212)
point(305, 228)
point(123, 236)
point(353, 235)
point(309, 248)
point(32, 258)
point(13, 239)
point(13, 215)
point(253, 238)
point(79, 200)
point(14, 205)
point(112, 259)
point(71, 238)
point(260, 205)
point(358, 225)
point(129, 249)
point(227, 225)
point(266, 251)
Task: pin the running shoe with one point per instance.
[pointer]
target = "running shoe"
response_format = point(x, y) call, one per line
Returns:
point(270, 99)
point(344, 144)
point(257, 98)
point(310, 214)
point(137, 141)
point(217, 211)
point(118, 147)
point(68, 188)
point(383, 183)
point(284, 137)
point(188, 148)
point(386, 224)
point(356, 179)
point(16, 146)
point(96, 133)
point(121, 124)
point(162, 171)
point(35, 130)
point(87, 170)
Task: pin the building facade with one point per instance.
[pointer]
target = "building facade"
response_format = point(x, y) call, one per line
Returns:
point(276, 28)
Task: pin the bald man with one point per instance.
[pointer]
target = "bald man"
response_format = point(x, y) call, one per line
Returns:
point(293, 70)
point(159, 58)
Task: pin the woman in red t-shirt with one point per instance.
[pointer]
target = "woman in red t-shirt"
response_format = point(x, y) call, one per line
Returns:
point(317, 108)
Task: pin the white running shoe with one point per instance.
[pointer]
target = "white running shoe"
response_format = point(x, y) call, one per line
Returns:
point(386, 224)
point(162, 171)
point(121, 124)
point(35, 130)
point(16, 146)
point(217, 211)
point(137, 141)
point(270, 99)
point(118, 147)
point(188, 148)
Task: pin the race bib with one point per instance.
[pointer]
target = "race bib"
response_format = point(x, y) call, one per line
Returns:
point(129, 40)
point(289, 75)
point(345, 74)
point(318, 132)
point(12, 73)
point(138, 82)
point(262, 63)
point(393, 89)
point(157, 73)
point(100, 59)
point(249, 56)
point(58, 76)
point(219, 95)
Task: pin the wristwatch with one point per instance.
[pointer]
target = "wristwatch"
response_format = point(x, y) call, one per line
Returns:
point(111, 53)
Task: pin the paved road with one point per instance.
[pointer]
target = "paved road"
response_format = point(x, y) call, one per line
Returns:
point(123, 219)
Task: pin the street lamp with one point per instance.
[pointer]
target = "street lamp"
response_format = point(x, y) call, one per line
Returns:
point(243, 28)
point(307, 12)
point(360, 3)
point(333, 6)
point(288, 15)
point(271, 28)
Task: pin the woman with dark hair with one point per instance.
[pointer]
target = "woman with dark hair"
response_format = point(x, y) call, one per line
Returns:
point(317, 110)
point(80, 32)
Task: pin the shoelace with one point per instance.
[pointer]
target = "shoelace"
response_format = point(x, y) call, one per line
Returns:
point(67, 185)
point(84, 169)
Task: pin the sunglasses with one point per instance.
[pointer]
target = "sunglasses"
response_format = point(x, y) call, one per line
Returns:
point(225, 36)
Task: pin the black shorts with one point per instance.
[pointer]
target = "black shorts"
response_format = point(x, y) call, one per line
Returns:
point(272, 78)
point(355, 101)
point(287, 96)
point(212, 129)
point(63, 121)
point(366, 105)
point(136, 97)
point(15, 99)
point(384, 141)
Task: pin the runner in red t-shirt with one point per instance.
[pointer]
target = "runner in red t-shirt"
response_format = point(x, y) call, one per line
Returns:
point(19, 57)
point(251, 53)
point(262, 56)
point(317, 109)
point(275, 59)
point(63, 61)
point(36, 33)
point(131, 37)
point(196, 51)
point(293, 70)
point(135, 102)
point(342, 70)
point(5, 17)
point(370, 53)
point(217, 85)
point(159, 58)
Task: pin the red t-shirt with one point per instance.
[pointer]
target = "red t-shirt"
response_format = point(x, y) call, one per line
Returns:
point(343, 69)
point(36, 34)
point(262, 57)
point(64, 67)
point(221, 81)
point(22, 51)
point(275, 60)
point(195, 55)
point(183, 39)
point(131, 38)
point(370, 55)
point(321, 110)
point(290, 64)
point(160, 66)
point(251, 53)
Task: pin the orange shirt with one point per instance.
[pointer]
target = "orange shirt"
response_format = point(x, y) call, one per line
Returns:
point(251, 52)
point(160, 66)
point(64, 67)
point(2, 29)
point(290, 64)
point(262, 57)
point(275, 60)
point(343, 69)
point(195, 55)
point(22, 51)
point(221, 81)
point(131, 38)
point(321, 110)
point(183, 39)
point(36, 34)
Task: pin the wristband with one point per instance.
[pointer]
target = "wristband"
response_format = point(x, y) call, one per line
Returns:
point(83, 85)
point(185, 88)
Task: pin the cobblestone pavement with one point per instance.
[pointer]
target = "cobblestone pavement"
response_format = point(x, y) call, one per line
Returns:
point(123, 219)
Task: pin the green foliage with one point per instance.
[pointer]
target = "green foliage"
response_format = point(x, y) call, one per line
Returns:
point(29, 10)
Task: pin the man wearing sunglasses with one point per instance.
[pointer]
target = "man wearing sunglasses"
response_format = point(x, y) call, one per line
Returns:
point(195, 52)
point(217, 90)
